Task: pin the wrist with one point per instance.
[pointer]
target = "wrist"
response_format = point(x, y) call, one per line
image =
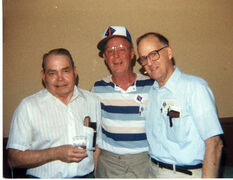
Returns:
point(53, 153)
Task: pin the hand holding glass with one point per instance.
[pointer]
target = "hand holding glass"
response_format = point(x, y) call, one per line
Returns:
point(80, 142)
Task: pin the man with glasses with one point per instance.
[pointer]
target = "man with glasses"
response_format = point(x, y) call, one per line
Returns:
point(182, 125)
point(121, 140)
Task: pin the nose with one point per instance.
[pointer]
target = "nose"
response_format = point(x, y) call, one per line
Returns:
point(149, 61)
point(116, 53)
point(60, 76)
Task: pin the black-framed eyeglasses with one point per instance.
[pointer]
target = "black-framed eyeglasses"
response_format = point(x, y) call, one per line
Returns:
point(153, 56)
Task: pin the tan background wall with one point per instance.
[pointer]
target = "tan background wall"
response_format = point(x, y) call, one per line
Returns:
point(200, 33)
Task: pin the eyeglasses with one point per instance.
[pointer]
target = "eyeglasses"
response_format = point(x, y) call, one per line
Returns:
point(120, 49)
point(153, 56)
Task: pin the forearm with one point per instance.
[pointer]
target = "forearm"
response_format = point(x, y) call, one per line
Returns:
point(96, 156)
point(212, 157)
point(35, 158)
point(31, 158)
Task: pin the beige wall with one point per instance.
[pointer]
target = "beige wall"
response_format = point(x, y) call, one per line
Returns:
point(200, 33)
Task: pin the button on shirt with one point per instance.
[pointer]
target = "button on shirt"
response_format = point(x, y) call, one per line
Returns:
point(42, 121)
point(183, 143)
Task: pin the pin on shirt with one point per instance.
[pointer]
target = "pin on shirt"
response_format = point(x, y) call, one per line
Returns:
point(141, 105)
point(165, 104)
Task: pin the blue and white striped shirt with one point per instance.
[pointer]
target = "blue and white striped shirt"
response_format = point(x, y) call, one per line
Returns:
point(123, 122)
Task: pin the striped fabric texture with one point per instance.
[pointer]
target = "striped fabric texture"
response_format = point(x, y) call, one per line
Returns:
point(123, 122)
point(42, 121)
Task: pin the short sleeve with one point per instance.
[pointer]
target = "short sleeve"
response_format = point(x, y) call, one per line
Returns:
point(204, 113)
point(20, 135)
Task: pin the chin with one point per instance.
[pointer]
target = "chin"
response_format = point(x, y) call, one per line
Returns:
point(152, 75)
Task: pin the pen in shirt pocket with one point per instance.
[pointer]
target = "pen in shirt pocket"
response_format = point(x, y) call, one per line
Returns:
point(172, 114)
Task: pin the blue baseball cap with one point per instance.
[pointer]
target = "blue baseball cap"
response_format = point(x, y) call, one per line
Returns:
point(111, 32)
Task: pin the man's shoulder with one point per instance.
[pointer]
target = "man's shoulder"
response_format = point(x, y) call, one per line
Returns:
point(193, 80)
point(104, 81)
point(143, 80)
point(32, 100)
point(87, 94)
point(36, 96)
point(193, 84)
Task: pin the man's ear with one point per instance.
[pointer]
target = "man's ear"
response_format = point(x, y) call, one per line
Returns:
point(132, 53)
point(105, 58)
point(75, 71)
point(76, 76)
point(169, 52)
point(42, 75)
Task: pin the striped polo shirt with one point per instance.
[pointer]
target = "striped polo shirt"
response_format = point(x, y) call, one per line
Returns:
point(123, 122)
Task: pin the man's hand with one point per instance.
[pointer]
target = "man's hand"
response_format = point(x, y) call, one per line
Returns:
point(35, 158)
point(68, 153)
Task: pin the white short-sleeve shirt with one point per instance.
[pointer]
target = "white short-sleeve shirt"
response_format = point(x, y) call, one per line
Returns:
point(42, 121)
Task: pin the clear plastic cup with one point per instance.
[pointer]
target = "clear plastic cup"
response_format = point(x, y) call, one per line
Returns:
point(80, 142)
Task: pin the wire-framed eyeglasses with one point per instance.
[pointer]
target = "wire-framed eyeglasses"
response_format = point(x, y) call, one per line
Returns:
point(153, 56)
point(121, 49)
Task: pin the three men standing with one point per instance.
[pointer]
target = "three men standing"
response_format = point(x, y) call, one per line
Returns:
point(174, 112)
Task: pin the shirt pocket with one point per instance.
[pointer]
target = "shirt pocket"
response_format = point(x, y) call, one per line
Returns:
point(180, 130)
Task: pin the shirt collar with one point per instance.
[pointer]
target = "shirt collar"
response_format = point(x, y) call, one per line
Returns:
point(131, 88)
point(172, 81)
point(76, 94)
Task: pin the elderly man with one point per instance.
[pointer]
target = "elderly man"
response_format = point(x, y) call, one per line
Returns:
point(123, 94)
point(44, 124)
point(182, 125)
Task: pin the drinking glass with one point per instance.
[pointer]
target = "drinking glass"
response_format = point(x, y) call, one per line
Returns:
point(80, 142)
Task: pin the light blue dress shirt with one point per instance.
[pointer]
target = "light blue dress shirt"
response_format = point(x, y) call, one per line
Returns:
point(183, 143)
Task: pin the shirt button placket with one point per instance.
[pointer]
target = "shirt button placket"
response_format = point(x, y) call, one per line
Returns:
point(70, 124)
